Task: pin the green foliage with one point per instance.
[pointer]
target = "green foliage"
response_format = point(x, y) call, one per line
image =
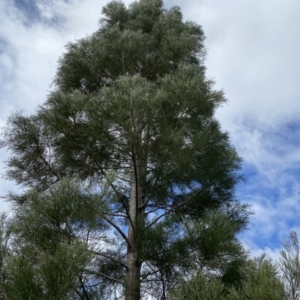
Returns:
point(215, 255)
point(42, 275)
point(143, 39)
point(60, 215)
point(48, 250)
point(213, 241)
point(200, 288)
point(261, 281)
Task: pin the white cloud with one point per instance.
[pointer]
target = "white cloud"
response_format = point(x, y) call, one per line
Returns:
point(253, 55)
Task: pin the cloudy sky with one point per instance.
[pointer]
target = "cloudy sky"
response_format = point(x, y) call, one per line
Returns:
point(253, 54)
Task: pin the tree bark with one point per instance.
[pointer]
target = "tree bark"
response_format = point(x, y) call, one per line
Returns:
point(135, 228)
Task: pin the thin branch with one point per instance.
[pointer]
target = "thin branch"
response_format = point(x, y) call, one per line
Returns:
point(111, 258)
point(49, 166)
point(117, 215)
point(79, 294)
point(144, 276)
point(164, 214)
point(104, 275)
point(83, 287)
point(117, 228)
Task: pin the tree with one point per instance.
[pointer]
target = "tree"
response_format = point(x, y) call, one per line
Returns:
point(131, 122)
point(42, 258)
point(290, 266)
point(200, 288)
point(261, 281)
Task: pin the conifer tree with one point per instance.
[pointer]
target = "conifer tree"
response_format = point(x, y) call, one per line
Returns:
point(130, 125)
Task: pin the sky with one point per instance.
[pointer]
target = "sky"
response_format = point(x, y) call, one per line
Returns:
point(253, 52)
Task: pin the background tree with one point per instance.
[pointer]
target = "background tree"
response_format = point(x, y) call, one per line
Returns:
point(4, 252)
point(200, 288)
point(43, 258)
point(131, 122)
point(290, 266)
point(260, 280)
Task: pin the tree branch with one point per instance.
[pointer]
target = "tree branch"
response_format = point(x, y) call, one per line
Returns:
point(164, 214)
point(117, 228)
point(111, 258)
point(104, 275)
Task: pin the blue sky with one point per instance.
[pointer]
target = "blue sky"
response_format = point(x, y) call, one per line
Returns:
point(253, 55)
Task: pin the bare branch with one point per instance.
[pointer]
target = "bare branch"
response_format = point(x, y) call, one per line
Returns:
point(111, 258)
point(117, 228)
point(105, 276)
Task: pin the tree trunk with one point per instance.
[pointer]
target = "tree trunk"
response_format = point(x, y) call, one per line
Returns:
point(133, 290)
point(136, 224)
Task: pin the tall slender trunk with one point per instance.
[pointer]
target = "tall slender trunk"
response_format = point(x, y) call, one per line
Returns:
point(136, 214)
